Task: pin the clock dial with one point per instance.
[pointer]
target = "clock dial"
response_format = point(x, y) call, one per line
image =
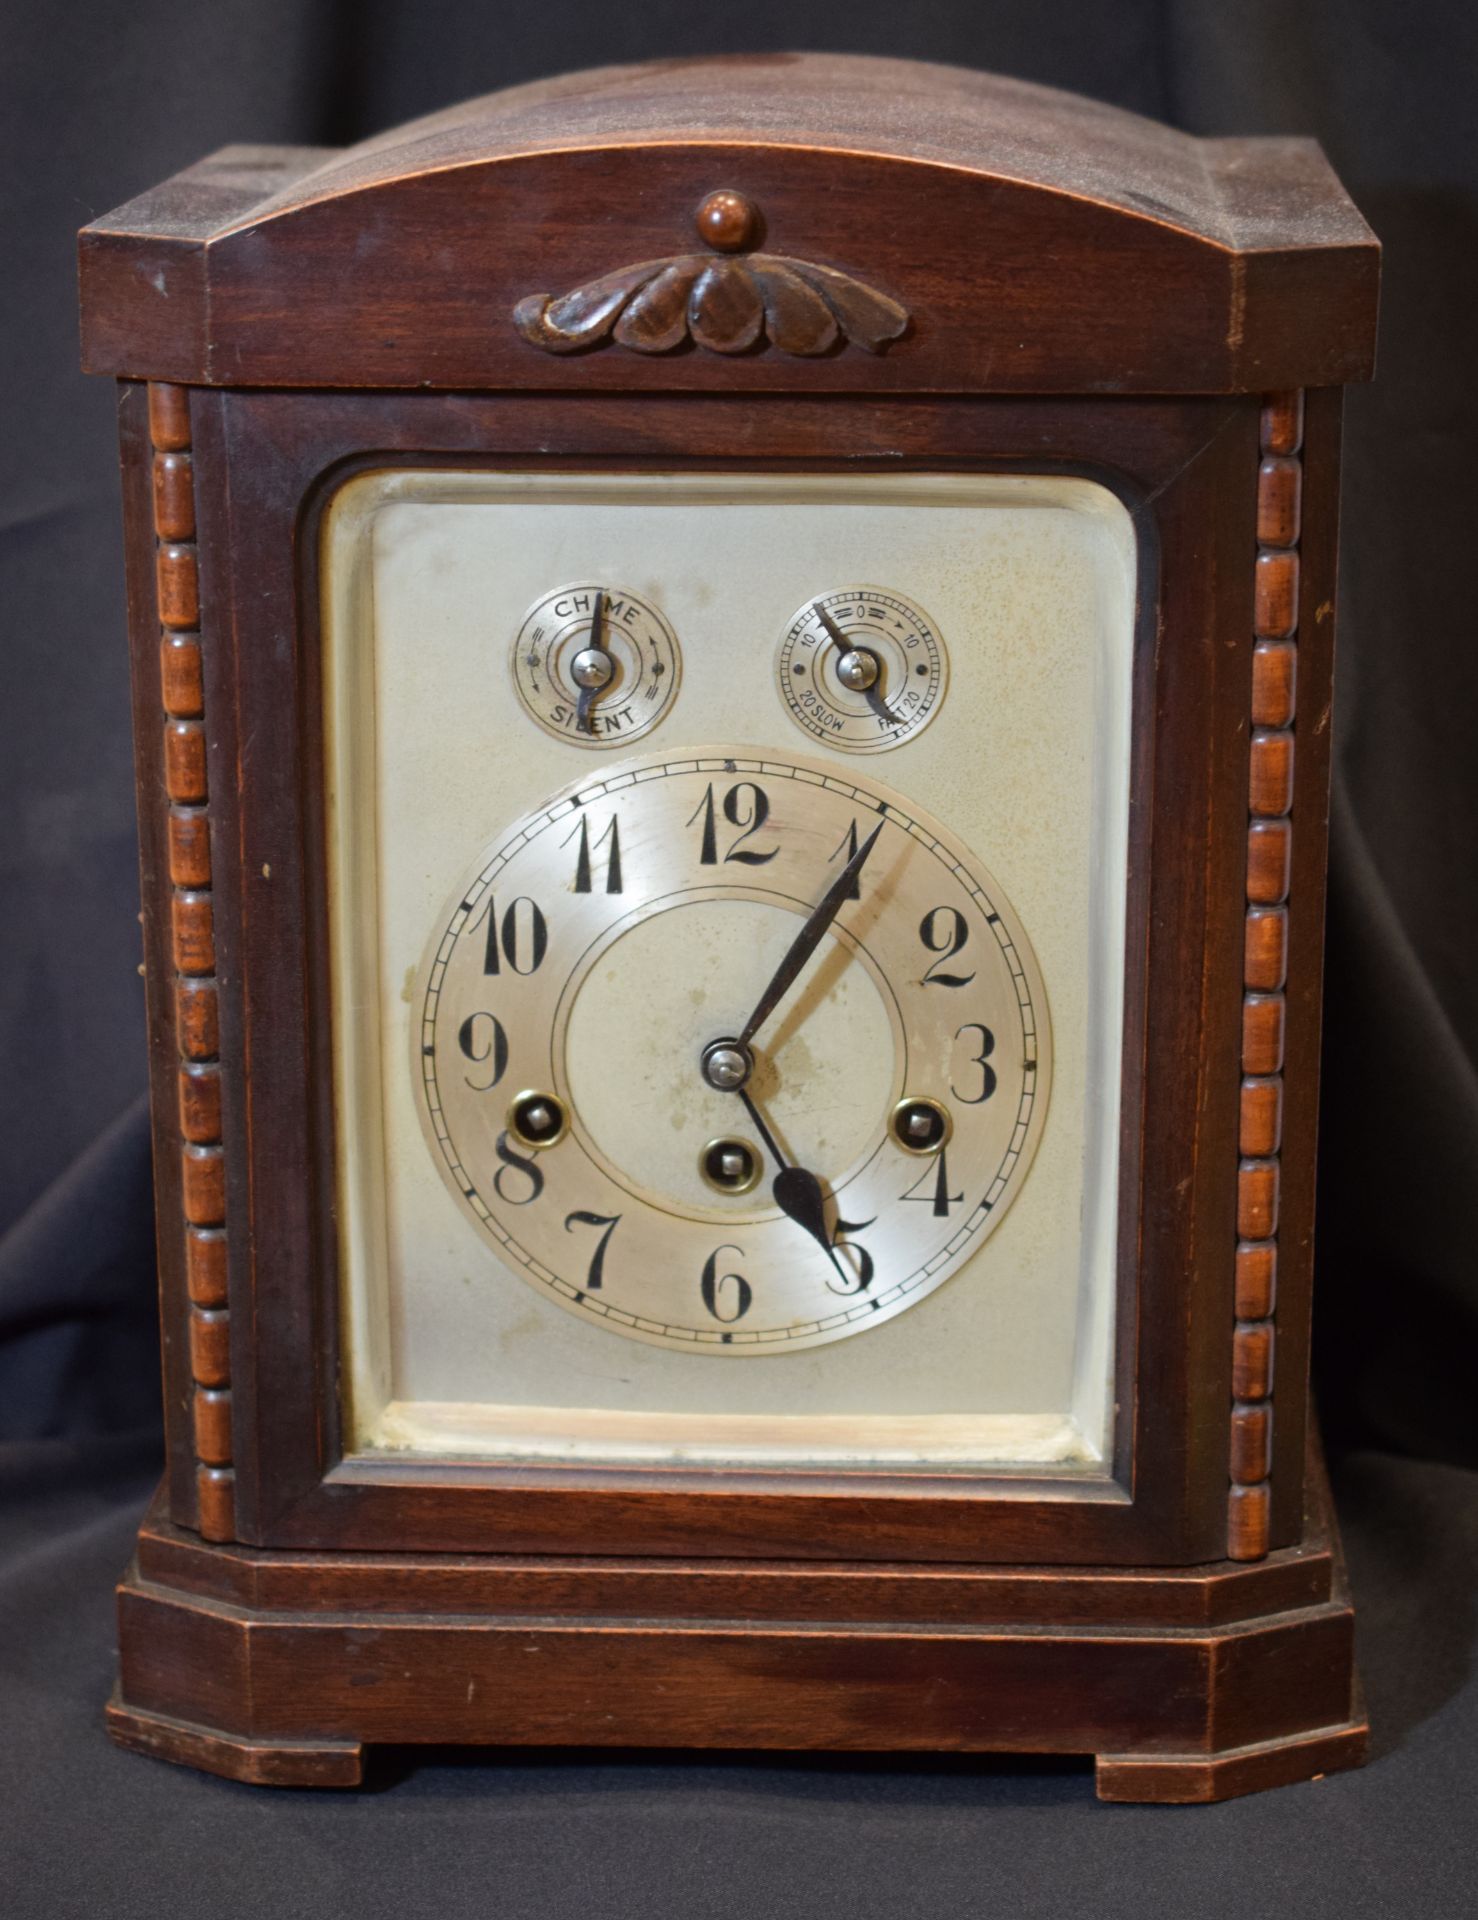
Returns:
point(729, 1053)
point(862, 669)
point(555, 1223)
point(595, 665)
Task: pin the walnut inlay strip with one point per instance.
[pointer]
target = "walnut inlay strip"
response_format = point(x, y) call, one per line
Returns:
point(1270, 777)
point(193, 950)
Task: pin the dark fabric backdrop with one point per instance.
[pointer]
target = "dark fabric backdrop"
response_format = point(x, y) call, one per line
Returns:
point(96, 103)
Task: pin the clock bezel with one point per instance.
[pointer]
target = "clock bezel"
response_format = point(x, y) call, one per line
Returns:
point(266, 465)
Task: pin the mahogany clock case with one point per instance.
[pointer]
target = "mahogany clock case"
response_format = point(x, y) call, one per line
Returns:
point(1185, 1619)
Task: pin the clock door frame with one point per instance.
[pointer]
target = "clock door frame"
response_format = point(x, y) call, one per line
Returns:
point(264, 465)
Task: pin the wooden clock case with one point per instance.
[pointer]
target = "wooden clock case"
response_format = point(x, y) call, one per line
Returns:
point(1081, 291)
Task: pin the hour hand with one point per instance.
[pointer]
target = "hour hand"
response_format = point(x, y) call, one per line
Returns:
point(798, 1195)
point(795, 1190)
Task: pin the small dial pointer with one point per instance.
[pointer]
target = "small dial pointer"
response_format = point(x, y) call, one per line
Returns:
point(593, 667)
point(859, 668)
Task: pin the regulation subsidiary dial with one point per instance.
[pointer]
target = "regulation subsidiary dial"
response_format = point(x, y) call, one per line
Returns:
point(651, 1131)
point(862, 669)
point(596, 665)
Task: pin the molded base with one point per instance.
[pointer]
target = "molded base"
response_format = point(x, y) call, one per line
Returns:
point(260, 1763)
point(1190, 1778)
point(1187, 1683)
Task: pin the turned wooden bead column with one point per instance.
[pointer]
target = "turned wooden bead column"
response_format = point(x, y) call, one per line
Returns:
point(192, 950)
point(1265, 971)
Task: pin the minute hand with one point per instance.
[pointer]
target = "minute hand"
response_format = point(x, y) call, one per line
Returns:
point(809, 938)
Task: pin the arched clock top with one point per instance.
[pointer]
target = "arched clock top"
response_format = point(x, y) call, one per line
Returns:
point(971, 233)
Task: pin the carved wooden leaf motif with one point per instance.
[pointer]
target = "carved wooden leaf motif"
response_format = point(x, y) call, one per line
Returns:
point(725, 305)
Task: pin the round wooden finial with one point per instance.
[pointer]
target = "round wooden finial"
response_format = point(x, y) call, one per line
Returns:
point(728, 221)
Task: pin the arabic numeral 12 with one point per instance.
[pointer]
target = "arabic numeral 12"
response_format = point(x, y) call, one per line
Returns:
point(745, 806)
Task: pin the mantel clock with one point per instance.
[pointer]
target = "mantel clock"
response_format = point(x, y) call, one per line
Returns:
point(732, 674)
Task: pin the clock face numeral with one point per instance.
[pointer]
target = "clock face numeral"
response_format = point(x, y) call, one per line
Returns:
point(854, 1256)
point(847, 850)
point(936, 1177)
point(610, 839)
point(944, 930)
point(520, 1179)
point(521, 937)
point(727, 1296)
point(483, 1041)
point(610, 1221)
point(980, 1058)
point(605, 943)
point(745, 806)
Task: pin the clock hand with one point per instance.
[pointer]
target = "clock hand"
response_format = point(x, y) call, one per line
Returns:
point(795, 1191)
point(595, 662)
point(870, 684)
point(807, 940)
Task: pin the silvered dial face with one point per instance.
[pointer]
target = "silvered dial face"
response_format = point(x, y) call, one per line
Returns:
point(881, 1116)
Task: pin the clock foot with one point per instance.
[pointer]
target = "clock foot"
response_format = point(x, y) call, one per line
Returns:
point(259, 1763)
point(1198, 1778)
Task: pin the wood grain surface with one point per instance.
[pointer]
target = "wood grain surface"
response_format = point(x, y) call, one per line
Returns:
point(1080, 292)
point(1038, 242)
point(1191, 1684)
point(266, 464)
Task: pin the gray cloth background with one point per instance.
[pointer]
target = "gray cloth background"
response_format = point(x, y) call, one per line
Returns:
point(98, 102)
